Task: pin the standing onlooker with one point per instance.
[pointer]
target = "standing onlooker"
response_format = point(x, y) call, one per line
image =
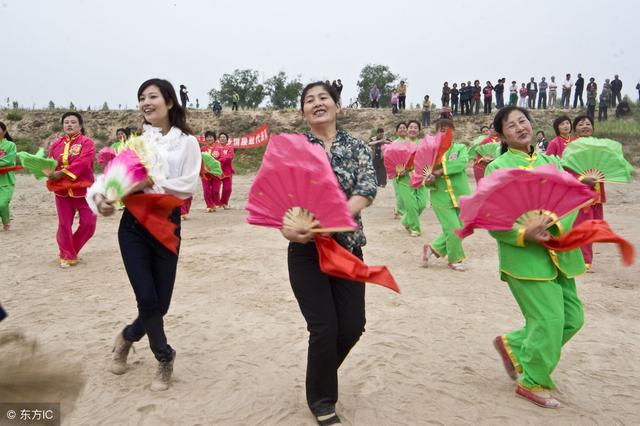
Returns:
point(184, 96)
point(455, 93)
point(487, 91)
point(426, 111)
point(234, 101)
point(394, 101)
point(465, 97)
point(604, 104)
point(607, 86)
point(616, 89)
point(592, 94)
point(523, 96)
point(566, 92)
point(374, 97)
point(553, 92)
point(334, 86)
point(579, 88)
point(542, 94)
point(402, 95)
point(499, 89)
point(532, 93)
point(513, 93)
point(446, 91)
point(638, 89)
point(339, 88)
point(376, 145)
point(542, 142)
point(476, 92)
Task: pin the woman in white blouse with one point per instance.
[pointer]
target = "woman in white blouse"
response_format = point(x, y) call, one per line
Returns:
point(151, 267)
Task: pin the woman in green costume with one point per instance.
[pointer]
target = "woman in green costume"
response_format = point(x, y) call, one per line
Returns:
point(446, 185)
point(401, 132)
point(7, 179)
point(541, 280)
point(411, 201)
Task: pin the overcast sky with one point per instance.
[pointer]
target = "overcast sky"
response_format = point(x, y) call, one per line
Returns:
point(89, 52)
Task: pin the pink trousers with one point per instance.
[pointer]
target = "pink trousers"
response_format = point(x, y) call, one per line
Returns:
point(207, 190)
point(227, 185)
point(185, 207)
point(595, 211)
point(70, 243)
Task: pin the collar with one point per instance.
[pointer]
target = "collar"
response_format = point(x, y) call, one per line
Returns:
point(340, 136)
point(69, 139)
point(533, 157)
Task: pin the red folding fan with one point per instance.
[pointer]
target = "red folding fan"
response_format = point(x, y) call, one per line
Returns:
point(105, 155)
point(398, 157)
point(509, 196)
point(429, 154)
point(295, 186)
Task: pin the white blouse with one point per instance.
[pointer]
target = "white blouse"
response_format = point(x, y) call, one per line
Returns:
point(173, 162)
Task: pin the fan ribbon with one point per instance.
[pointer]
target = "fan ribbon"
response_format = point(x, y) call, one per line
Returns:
point(339, 262)
point(592, 231)
point(7, 169)
point(152, 211)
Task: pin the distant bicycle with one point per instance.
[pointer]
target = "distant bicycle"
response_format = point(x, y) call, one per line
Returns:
point(353, 105)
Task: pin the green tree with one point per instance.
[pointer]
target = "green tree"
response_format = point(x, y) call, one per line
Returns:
point(381, 76)
point(283, 93)
point(52, 106)
point(105, 107)
point(16, 105)
point(243, 82)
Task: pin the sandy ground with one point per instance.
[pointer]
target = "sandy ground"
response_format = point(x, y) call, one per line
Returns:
point(426, 357)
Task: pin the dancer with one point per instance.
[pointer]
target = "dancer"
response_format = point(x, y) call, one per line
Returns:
point(412, 201)
point(122, 134)
point(224, 153)
point(401, 133)
point(150, 266)
point(446, 185)
point(74, 153)
point(480, 163)
point(332, 307)
point(541, 280)
point(208, 178)
point(563, 127)
point(377, 143)
point(7, 177)
point(583, 127)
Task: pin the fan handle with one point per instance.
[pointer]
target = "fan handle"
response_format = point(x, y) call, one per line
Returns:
point(594, 174)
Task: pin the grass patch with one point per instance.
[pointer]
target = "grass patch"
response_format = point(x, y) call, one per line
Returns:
point(248, 161)
point(14, 116)
point(26, 144)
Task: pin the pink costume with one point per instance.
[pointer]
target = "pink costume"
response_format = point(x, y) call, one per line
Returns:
point(75, 156)
point(224, 154)
point(208, 181)
point(595, 210)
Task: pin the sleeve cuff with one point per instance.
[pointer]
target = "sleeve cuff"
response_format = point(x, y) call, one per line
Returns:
point(68, 173)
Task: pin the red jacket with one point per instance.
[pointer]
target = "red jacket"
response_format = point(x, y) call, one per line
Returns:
point(75, 155)
point(224, 154)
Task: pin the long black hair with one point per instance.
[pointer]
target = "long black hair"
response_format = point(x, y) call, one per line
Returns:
point(499, 119)
point(76, 115)
point(7, 136)
point(177, 115)
point(330, 90)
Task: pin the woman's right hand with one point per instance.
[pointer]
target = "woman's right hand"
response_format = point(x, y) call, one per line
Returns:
point(536, 231)
point(300, 235)
point(105, 207)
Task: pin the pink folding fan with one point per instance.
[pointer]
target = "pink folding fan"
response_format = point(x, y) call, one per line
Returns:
point(105, 155)
point(295, 186)
point(429, 154)
point(122, 174)
point(398, 157)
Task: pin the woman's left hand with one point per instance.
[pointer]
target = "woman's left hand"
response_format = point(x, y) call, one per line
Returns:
point(589, 181)
point(55, 175)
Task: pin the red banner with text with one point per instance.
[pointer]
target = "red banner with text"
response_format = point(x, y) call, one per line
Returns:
point(254, 139)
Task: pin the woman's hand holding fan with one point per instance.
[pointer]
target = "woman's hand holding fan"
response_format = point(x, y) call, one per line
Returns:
point(124, 175)
point(428, 155)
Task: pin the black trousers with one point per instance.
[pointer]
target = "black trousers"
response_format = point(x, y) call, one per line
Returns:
point(542, 100)
point(151, 268)
point(464, 107)
point(487, 105)
point(402, 101)
point(454, 106)
point(334, 311)
point(576, 96)
point(381, 172)
point(532, 99)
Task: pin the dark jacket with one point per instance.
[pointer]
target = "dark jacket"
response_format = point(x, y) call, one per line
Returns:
point(579, 84)
point(532, 86)
point(616, 85)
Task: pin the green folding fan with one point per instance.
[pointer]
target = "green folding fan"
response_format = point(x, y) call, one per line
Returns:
point(489, 150)
point(37, 163)
point(211, 164)
point(600, 159)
